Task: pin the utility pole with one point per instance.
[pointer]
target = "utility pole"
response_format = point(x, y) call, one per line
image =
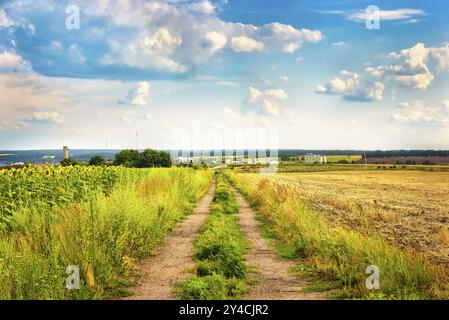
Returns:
point(137, 141)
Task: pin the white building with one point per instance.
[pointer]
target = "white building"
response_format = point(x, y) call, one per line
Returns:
point(314, 158)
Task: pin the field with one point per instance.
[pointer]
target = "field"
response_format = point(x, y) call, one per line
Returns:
point(341, 222)
point(294, 166)
point(99, 219)
point(338, 158)
point(408, 208)
point(199, 234)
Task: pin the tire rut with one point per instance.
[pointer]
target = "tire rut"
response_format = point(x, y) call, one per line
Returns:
point(159, 273)
point(274, 281)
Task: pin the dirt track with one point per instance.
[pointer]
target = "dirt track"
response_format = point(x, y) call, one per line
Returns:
point(274, 281)
point(160, 273)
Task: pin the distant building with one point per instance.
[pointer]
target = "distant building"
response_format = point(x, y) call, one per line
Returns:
point(65, 151)
point(315, 158)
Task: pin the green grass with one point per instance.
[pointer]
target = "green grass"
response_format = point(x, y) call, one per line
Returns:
point(341, 256)
point(219, 253)
point(104, 235)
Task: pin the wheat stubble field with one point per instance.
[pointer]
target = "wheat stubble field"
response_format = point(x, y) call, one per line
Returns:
point(408, 208)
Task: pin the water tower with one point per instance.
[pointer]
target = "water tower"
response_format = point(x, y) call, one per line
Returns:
point(65, 150)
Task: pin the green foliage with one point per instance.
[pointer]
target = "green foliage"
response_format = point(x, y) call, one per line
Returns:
point(70, 162)
point(147, 159)
point(97, 161)
point(127, 158)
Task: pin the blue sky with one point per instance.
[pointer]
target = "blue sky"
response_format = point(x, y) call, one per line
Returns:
point(214, 74)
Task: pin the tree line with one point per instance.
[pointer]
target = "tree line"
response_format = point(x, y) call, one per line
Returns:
point(149, 158)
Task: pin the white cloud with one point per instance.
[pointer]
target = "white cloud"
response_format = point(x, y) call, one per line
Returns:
point(55, 46)
point(276, 93)
point(204, 7)
point(284, 78)
point(11, 62)
point(216, 40)
point(161, 42)
point(75, 54)
point(339, 44)
point(441, 57)
point(245, 44)
point(254, 94)
point(387, 15)
point(411, 68)
point(351, 87)
point(138, 96)
point(264, 103)
point(417, 112)
point(48, 116)
point(416, 81)
point(178, 36)
point(5, 21)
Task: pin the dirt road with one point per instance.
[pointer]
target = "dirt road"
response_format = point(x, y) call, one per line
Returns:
point(160, 273)
point(274, 281)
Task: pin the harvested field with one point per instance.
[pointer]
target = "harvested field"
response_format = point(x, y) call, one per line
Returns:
point(408, 208)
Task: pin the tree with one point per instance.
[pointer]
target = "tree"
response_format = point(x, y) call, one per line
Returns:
point(152, 158)
point(97, 161)
point(147, 159)
point(69, 162)
point(127, 158)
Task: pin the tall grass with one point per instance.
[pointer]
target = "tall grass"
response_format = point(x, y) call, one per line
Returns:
point(219, 253)
point(104, 235)
point(338, 254)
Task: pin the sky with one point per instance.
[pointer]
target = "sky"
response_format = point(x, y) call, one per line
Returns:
point(204, 74)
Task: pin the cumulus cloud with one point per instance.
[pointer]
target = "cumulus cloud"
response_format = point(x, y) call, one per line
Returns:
point(138, 96)
point(165, 38)
point(216, 40)
point(441, 57)
point(264, 103)
point(204, 7)
point(351, 87)
point(410, 68)
point(179, 36)
point(245, 44)
point(417, 112)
